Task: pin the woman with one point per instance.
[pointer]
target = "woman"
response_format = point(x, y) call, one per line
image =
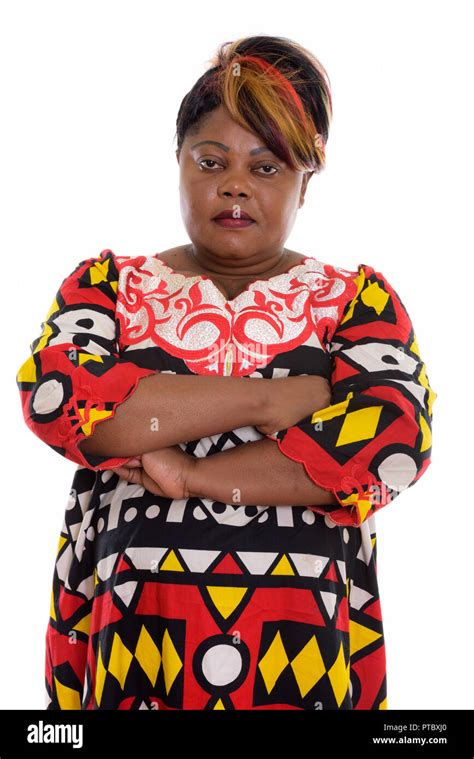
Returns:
point(218, 549)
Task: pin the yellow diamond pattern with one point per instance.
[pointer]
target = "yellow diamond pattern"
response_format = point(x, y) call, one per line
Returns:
point(339, 675)
point(359, 425)
point(308, 666)
point(99, 677)
point(148, 655)
point(120, 660)
point(172, 664)
point(273, 663)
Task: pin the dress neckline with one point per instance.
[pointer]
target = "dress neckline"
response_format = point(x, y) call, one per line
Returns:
point(200, 277)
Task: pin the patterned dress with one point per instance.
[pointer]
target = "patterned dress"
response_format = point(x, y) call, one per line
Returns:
point(197, 604)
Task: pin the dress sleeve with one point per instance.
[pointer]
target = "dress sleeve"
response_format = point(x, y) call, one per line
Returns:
point(374, 440)
point(74, 377)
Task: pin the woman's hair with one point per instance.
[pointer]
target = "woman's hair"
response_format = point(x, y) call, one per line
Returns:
point(272, 86)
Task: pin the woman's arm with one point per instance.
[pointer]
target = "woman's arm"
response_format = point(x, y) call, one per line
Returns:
point(167, 409)
point(253, 474)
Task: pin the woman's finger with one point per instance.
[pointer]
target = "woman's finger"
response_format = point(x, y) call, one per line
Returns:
point(138, 476)
point(134, 462)
point(131, 475)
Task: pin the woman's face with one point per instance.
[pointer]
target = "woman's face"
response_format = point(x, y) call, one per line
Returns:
point(218, 176)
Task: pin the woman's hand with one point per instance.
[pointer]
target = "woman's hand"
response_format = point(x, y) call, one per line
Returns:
point(165, 472)
point(290, 399)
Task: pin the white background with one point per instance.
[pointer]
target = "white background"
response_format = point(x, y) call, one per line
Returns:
point(90, 93)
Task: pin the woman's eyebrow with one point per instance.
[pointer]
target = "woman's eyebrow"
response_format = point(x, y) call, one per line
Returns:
point(226, 148)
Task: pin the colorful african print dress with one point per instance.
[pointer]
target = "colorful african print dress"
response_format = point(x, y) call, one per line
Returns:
point(160, 603)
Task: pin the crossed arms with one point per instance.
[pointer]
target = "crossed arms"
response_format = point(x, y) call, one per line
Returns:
point(191, 407)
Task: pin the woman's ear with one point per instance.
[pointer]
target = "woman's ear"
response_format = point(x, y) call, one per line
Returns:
point(306, 177)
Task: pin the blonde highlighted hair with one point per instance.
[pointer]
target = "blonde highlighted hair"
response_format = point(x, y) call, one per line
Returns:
point(272, 86)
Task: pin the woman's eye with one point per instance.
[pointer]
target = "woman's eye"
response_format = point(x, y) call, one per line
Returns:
point(268, 166)
point(207, 160)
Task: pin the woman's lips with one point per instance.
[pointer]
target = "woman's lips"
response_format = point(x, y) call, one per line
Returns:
point(230, 223)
